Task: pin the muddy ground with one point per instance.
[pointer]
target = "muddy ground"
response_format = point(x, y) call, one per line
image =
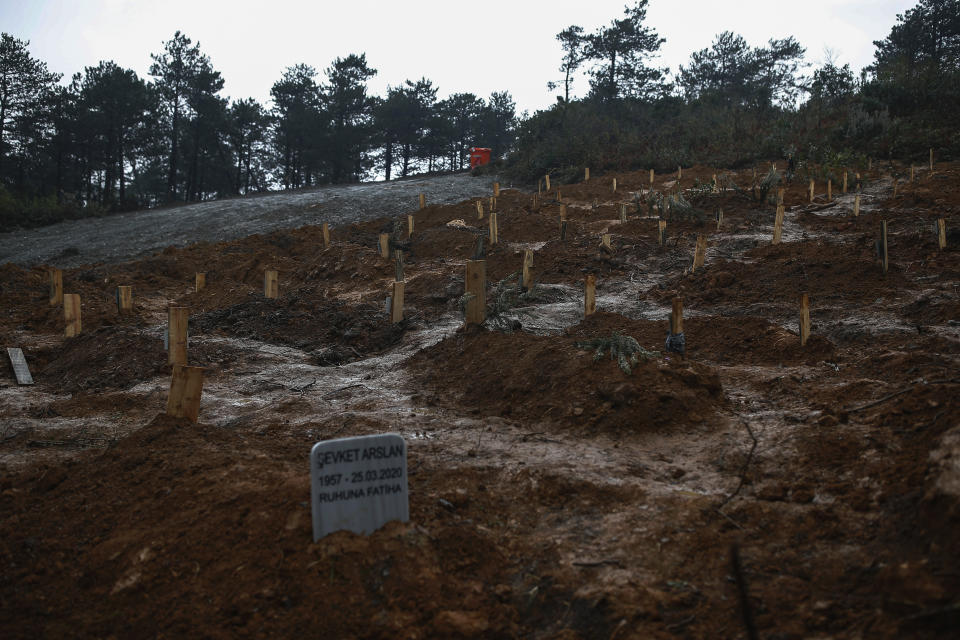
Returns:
point(552, 494)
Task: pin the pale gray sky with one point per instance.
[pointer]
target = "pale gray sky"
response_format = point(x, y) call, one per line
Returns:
point(461, 46)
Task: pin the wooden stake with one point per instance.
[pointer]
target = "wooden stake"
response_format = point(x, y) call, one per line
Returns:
point(559, 199)
point(911, 173)
point(590, 295)
point(56, 287)
point(409, 226)
point(493, 203)
point(884, 257)
point(941, 233)
point(830, 190)
point(719, 218)
point(563, 229)
point(527, 277)
point(479, 209)
point(661, 231)
point(124, 298)
point(186, 388)
point(325, 228)
point(476, 287)
point(423, 201)
point(493, 228)
point(804, 319)
point(614, 185)
point(856, 205)
point(778, 225)
point(895, 185)
point(676, 317)
point(605, 242)
point(384, 245)
point(651, 177)
point(563, 212)
point(398, 265)
point(199, 281)
point(271, 283)
point(700, 253)
point(931, 158)
point(177, 321)
point(396, 303)
point(496, 189)
point(546, 181)
point(716, 185)
point(844, 181)
point(623, 212)
point(586, 174)
point(780, 195)
point(811, 190)
point(679, 172)
point(71, 314)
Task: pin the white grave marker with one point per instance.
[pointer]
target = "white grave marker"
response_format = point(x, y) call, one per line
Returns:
point(20, 368)
point(358, 484)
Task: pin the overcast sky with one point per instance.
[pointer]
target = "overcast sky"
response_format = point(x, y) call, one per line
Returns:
point(464, 46)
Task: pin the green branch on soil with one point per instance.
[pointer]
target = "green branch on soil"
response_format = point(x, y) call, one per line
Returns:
point(624, 349)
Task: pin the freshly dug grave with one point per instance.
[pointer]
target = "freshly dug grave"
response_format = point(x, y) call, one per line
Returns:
point(550, 379)
point(721, 340)
point(780, 273)
point(336, 332)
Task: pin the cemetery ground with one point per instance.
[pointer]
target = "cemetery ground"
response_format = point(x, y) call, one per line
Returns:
point(552, 494)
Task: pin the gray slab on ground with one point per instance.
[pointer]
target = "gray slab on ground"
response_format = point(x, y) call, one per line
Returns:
point(20, 368)
point(358, 484)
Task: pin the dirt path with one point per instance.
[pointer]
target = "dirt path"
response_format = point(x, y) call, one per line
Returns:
point(130, 235)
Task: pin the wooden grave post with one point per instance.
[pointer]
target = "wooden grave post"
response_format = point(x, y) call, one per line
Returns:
point(325, 229)
point(71, 314)
point(199, 281)
point(661, 231)
point(496, 189)
point(271, 283)
point(884, 256)
point(780, 195)
point(493, 228)
point(719, 218)
point(844, 181)
point(177, 321)
point(679, 172)
point(676, 316)
point(778, 225)
point(186, 388)
point(563, 212)
point(931, 158)
point(423, 201)
point(605, 242)
point(56, 287)
point(651, 178)
point(804, 319)
point(912, 169)
point(546, 181)
point(590, 295)
point(700, 253)
point(527, 273)
point(614, 185)
point(559, 199)
point(811, 190)
point(856, 205)
point(396, 302)
point(124, 298)
point(586, 174)
point(623, 212)
point(21, 370)
point(479, 209)
point(493, 203)
point(476, 288)
point(829, 189)
point(941, 233)
point(384, 245)
point(409, 226)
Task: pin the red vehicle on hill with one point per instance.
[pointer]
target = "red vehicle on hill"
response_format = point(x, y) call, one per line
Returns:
point(479, 156)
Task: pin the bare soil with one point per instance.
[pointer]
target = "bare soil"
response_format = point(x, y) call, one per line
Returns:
point(552, 494)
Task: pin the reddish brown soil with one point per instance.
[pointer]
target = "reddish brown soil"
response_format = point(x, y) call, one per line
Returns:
point(551, 495)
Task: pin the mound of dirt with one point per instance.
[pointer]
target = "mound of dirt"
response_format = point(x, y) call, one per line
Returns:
point(722, 340)
point(335, 331)
point(77, 535)
point(550, 379)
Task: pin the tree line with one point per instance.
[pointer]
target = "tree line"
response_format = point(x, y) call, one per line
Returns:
point(113, 141)
point(732, 104)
